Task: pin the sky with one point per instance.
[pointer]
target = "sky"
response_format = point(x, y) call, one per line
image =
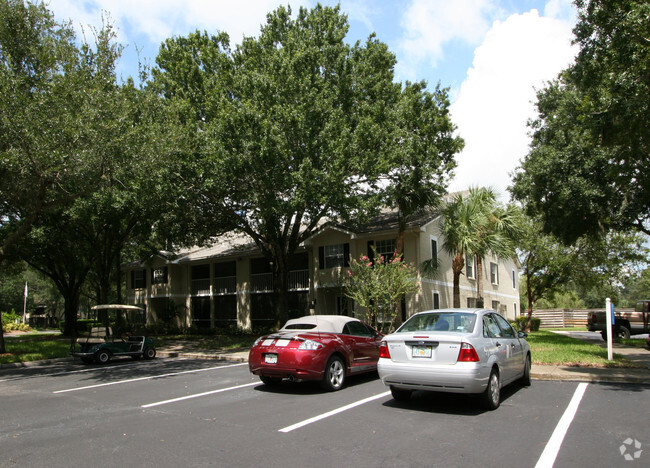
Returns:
point(492, 55)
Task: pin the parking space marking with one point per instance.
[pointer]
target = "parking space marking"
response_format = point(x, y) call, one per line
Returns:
point(197, 395)
point(555, 442)
point(332, 413)
point(151, 377)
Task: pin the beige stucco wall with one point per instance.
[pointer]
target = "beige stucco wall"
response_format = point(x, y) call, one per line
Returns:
point(326, 283)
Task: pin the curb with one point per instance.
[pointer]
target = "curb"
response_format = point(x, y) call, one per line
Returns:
point(44, 362)
point(217, 357)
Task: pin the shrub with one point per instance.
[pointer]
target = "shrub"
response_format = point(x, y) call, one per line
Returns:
point(521, 322)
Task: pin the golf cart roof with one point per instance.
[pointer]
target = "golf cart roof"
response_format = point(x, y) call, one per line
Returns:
point(116, 306)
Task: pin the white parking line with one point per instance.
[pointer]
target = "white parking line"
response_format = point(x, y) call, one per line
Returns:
point(151, 377)
point(332, 413)
point(187, 397)
point(555, 442)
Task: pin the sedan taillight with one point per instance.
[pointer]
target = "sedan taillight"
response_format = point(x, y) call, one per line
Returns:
point(467, 353)
point(311, 345)
point(383, 350)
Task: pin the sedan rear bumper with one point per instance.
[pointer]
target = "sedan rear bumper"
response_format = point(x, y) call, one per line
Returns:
point(462, 377)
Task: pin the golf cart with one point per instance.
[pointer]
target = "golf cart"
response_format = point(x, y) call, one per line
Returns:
point(101, 342)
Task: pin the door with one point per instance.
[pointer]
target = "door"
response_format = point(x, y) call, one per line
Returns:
point(364, 344)
point(515, 352)
point(497, 348)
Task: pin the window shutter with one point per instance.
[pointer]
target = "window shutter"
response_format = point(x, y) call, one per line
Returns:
point(346, 254)
point(321, 257)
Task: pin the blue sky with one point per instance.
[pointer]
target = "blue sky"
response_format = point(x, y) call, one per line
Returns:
point(491, 54)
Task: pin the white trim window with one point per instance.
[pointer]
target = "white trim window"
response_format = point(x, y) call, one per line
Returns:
point(494, 273)
point(470, 266)
point(386, 248)
point(434, 249)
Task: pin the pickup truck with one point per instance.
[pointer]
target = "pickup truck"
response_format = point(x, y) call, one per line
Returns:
point(625, 323)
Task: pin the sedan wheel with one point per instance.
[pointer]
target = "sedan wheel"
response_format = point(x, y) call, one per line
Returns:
point(525, 379)
point(334, 374)
point(270, 381)
point(102, 357)
point(400, 394)
point(492, 394)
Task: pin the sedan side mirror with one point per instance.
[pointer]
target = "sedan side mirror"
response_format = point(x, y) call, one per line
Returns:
point(523, 334)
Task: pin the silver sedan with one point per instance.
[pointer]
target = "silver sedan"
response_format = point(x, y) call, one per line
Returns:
point(472, 351)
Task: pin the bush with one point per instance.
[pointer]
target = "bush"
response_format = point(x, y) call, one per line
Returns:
point(16, 327)
point(521, 322)
point(10, 317)
point(11, 322)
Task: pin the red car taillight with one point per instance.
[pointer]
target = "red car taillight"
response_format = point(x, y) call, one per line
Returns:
point(467, 353)
point(383, 350)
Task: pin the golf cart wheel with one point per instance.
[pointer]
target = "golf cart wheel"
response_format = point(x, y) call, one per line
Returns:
point(149, 353)
point(102, 357)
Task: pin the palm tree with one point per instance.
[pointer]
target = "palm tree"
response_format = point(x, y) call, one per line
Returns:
point(475, 224)
point(460, 219)
point(498, 231)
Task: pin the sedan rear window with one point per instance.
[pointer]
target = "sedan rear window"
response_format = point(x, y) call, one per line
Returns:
point(457, 322)
point(300, 326)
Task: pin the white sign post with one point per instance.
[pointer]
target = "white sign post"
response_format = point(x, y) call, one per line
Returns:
point(610, 331)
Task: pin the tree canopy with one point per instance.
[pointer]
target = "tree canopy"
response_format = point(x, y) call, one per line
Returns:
point(296, 126)
point(588, 169)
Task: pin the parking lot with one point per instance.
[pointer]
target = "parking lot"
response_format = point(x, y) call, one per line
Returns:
point(182, 412)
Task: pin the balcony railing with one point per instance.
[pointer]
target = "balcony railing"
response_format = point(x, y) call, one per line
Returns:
point(201, 287)
point(225, 285)
point(298, 280)
point(262, 282)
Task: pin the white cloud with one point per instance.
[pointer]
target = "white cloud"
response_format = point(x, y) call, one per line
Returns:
point(497, 98)
point(431, 24)
point(160, 19)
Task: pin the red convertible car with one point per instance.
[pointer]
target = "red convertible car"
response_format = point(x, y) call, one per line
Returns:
point(327, 348)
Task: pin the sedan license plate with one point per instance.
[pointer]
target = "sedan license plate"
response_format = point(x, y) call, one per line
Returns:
point(271, 358)
point(421, 351)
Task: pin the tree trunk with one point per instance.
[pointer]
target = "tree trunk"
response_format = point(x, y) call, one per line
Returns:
point(2, 337)
point(530, 305)
point(457, 265)
point(71, 298)
point(480, 302)
point(118, 275)
point(281, 290)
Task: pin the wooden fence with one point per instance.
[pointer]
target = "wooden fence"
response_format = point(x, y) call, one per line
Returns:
point(563, 318)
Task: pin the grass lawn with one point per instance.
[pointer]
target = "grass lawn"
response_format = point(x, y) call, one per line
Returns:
point(34, 348)
point(554, 349)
